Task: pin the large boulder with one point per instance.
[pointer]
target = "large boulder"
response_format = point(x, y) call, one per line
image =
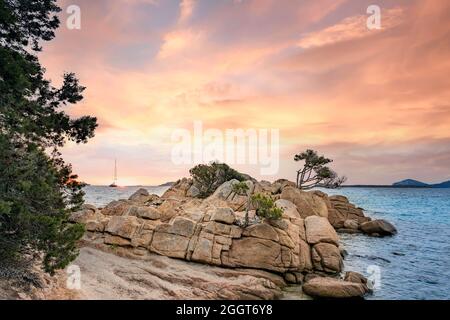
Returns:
point(91, 217)
point(351, 224)
point(141, 196)
point(225, 215)
point(193, 192)
point(225, 193)
point(307, 203)
point(321, 287)
point(116, 208)
point(170, 208)
point(318, 229)
point(85, 214)
point(144, 212)
point(171, 245)
point(341, 211)
point(117, 241)
point(179, 189)
point(327, 257)
point(257, 253)
point(264, 187)
point(225, 190)
point(203, 250)
point(378, 227)
point(289, 209)
point(124, 227)
point(279, 185)
point(355, 277)
point(180, 226)
point(305, 263)
point(262, 231)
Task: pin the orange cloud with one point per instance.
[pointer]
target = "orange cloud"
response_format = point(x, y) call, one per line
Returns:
point(311, 69)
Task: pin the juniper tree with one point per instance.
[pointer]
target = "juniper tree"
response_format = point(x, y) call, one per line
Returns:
point(265, 207)
point(37, 188)
point(208, 177)
point(315, 172)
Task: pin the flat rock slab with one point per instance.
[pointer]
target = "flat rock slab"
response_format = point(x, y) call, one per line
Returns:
point(108, 276)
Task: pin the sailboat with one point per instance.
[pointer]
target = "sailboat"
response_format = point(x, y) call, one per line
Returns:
point(114, 185)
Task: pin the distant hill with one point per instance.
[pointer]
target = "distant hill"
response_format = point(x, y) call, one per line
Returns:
point(418, 184)
point(167, 184)
point(410, 183)
point(445, 184)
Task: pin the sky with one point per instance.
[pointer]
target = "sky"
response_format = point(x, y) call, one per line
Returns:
point(376, 101)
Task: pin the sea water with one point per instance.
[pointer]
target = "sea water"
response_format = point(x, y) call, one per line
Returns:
point(414, 264)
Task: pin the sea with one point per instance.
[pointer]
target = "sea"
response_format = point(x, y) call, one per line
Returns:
point(412, 265)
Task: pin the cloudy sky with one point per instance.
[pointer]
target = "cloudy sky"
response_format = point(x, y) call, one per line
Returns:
point(376, 101)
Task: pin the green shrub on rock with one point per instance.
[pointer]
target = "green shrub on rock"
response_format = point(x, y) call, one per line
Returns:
point(208, 177)
point(240, 189)
point(265, 207)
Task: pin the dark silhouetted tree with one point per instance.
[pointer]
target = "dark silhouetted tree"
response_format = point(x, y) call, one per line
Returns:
point(315, 172)
point(37, 189)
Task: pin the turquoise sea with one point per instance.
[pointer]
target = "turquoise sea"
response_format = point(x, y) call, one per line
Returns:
point(414, 264)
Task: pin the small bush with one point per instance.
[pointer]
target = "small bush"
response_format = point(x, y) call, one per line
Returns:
point(265, 207)
point(240, 189)
point(208, 177)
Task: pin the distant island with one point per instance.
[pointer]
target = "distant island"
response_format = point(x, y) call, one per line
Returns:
point(167, 184)
point(407, 183)
point(415, 183)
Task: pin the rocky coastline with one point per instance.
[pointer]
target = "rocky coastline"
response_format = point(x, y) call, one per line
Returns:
point(301, 248)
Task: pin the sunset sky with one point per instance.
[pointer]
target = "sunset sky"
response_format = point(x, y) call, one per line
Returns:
point(376, 101)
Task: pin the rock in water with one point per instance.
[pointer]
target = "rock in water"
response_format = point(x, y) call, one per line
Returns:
point(340, 211)
point(352, 276)
point(351, 224)
point(380, 227)
point(320, 287)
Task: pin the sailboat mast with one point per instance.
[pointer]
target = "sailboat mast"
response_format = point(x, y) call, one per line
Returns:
point(115, 170)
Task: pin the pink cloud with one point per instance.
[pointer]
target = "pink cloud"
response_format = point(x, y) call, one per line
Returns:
point(311, 69)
